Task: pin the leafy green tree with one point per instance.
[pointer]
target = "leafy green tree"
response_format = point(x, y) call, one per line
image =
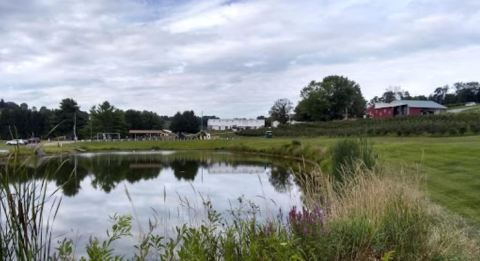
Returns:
point(108, 119)
point(335, 97)
point(67, 117)
point(281, 110)
point(467, 92)
point(143, 120)
point(185, 122)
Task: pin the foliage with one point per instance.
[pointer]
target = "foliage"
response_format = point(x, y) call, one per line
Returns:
point(335, 97)
point(463, 93)
point(185, 122)
point(280, 110)
point(27, 214)
point(431, 125)
point(69, 119)
point(143, 120)
point(396, 93)
point(348, 154)
point(458, 94)
point(105, 118)
point(21, 121)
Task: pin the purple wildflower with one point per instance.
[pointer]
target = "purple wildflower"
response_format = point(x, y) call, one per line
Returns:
point(307, 222)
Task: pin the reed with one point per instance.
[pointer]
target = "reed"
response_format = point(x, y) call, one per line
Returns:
point(28, 211)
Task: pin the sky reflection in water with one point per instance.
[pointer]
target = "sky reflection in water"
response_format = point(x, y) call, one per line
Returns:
point(168, 186)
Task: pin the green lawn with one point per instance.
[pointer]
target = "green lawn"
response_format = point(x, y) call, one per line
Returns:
point(451, 164)
point(451, 167)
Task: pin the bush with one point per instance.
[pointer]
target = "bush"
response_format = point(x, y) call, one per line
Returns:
point(348, 154)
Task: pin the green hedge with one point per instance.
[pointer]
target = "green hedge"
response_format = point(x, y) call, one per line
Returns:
point(431, 125)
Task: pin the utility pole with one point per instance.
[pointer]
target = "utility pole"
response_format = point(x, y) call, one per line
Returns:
point(75, 126)
point(91, 127)
point(201, 120)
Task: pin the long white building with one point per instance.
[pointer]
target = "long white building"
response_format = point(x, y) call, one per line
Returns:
point(235, 124)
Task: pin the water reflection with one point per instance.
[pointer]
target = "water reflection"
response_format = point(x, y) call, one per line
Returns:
point(107, 170)
point(169, 186)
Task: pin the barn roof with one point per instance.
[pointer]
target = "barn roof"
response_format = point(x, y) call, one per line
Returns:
point(411, 104)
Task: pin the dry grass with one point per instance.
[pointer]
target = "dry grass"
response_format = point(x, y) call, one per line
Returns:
point(375, 212)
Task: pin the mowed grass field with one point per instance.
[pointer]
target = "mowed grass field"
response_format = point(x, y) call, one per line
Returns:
point(451, 165)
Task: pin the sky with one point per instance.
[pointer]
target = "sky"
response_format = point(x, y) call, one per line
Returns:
point(228, 58)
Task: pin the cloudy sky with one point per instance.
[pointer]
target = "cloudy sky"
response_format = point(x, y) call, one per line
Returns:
point(229, 58)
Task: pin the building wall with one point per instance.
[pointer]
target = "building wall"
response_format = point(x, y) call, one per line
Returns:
point(388, 112)
point(226, 124)
point(380, 113)
point(415, 111)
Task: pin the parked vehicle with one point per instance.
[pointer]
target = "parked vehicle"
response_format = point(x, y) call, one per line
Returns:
point(268, 134)
point(16, 142)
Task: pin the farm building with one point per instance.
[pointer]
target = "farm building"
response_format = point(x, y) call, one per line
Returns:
point(235, 124)
point(404, 108)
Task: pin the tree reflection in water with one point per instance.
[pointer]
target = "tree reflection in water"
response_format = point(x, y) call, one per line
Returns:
point(107, 170)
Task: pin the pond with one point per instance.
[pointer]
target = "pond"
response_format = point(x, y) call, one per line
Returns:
point(167, 186)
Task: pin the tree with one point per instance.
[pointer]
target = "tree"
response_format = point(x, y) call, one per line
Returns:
point(185, 122)
point(106, 118)
point(393, 93)
point(467, 92)
point(22, 121)
point(440, 93)
point(67, 117)
point(335, 97)
point(143, 120)
point(280, 110)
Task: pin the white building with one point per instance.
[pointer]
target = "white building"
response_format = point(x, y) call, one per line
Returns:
point(235, 124)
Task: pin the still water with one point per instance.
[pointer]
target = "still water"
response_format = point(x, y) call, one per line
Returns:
point(169, 187)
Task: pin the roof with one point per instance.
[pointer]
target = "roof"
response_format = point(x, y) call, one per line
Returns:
point(411, 103)
point(147, 132)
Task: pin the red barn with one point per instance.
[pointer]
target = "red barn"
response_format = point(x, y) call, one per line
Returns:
point(404, 108)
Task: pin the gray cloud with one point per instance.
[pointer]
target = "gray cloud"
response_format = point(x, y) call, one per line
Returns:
point(230, 58)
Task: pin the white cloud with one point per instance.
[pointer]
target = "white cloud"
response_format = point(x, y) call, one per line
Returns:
point(230, 58)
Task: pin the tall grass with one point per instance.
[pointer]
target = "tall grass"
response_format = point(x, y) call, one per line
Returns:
point(348, 154)
point(27, 213)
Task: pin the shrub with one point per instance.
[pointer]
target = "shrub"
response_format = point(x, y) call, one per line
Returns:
point(347, 154)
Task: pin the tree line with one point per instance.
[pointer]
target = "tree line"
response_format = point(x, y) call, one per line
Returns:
point(337, 97)
point(69, 121)
point(457, 94)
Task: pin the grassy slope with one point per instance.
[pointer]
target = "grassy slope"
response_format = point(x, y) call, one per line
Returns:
point(452, 164)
